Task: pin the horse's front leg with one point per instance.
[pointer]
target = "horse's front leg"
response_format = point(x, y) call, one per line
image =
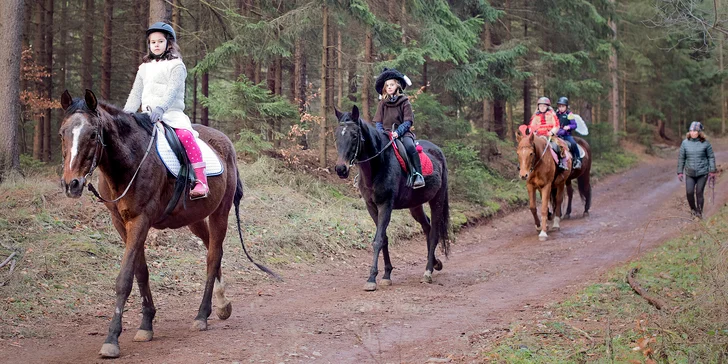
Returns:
point(384, 214)
point(136, 234)
point(145, 332)
point(532, 205)
point(545, 197)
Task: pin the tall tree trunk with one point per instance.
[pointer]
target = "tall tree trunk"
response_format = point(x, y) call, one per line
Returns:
point(279, 76)
point(509, 122)
point(487, 121)
point(351, 80)
point(299, 88)
point(324, 92)
point(624, 102)
point(141, 12)
point(425, 81)
point(159, 10)
point(722, 85)
point(366, 83)
point(176, 13)
point(194, 99)
point(403, 22)
point(88, 41)
point(271, 77)
point(48, 81)
point(11, 34)
point(106, 50)
point(63, 34)
point(39, 56)
point(526, 84)
point(614, 75)
point(339, 70)
point(205, 114)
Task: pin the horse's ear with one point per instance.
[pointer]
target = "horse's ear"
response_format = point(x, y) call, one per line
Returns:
point(66, 100)
point(531, 137)
point(518, 137)
point(355, 113)
point(338, 114)
point(91, 101)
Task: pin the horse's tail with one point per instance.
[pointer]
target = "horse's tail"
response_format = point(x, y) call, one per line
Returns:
point(584, 181)
point(236, 201)
point(584, 184)
point(441, 225)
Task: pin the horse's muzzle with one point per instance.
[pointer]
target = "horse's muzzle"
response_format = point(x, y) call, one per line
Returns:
point(342, 171)
point(74, 188)
point(524, 176)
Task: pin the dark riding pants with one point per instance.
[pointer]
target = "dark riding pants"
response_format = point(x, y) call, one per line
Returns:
point(573, 148)
point(411, 149)
point(695, 187)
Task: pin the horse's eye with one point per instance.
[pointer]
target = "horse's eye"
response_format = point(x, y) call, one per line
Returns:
point(93, 135)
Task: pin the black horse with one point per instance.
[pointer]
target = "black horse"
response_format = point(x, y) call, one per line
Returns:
point(382, 185)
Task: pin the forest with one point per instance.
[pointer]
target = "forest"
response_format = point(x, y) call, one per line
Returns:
point(270, 73)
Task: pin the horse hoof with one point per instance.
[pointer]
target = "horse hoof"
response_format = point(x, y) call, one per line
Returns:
point(109, 351)
point(370, 286)
point(199, 325)
point(438, 264)
point(543, 236)
point(538, 227)
point(224, 312)
point(385, 282)
point(427, 277)
point(567, 216)
point(143, 335)
point(586, 214)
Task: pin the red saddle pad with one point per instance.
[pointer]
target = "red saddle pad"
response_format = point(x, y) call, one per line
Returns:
point(425, 161)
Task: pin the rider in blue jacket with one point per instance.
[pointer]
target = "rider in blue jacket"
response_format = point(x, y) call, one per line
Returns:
point(567, 124)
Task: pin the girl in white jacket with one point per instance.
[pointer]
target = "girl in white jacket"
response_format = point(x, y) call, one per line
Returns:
point(160, 87)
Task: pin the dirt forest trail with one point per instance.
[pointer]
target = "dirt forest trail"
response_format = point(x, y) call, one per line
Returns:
point(497, 273)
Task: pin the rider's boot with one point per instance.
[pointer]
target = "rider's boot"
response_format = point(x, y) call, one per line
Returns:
point(562, 163)
point(200, 190)
point(419, 179)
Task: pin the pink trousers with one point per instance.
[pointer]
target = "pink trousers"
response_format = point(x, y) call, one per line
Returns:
point(193, 150)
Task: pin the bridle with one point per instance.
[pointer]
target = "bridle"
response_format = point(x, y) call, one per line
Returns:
point(534, 163)
point(97, 156)
point(360, 139)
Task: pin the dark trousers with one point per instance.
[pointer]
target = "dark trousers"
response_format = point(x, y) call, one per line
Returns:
point(411, 149)
point(695, 186)
point(573, 148)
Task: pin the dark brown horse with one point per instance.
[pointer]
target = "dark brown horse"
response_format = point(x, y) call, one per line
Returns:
point(383, 187)
point(100, 135)
point(583, 180)
point(538, 167)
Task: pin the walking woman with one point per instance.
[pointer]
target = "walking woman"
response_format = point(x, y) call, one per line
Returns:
point(696, 163)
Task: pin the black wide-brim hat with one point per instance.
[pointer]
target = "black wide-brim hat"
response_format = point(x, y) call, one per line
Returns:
point(391, 74)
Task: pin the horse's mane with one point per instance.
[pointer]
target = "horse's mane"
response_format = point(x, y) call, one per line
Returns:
point(117, 115)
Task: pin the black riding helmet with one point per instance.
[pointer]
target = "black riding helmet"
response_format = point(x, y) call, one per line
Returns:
point(391, 74)
point(162, 27)
point(563, 101)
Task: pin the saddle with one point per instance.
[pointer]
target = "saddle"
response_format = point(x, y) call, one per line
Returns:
point(401, 154)
point(186, 175)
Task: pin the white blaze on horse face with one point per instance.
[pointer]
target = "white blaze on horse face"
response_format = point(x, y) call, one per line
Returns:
point(74, 147)
point(343, 130)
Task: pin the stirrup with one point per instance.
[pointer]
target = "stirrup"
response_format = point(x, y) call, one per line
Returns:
point(414, 184)
point(198, 197)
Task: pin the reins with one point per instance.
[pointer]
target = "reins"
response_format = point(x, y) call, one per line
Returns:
point(97, 155)
point(354, 160)
point(535, 163)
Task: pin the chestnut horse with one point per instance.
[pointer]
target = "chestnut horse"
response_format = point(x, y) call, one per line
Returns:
point(95, 134)
point(538, 167)
point(383, 187)
point(583, 180)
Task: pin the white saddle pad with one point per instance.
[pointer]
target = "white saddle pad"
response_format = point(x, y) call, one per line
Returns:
point(582, 152)
point(212, 162)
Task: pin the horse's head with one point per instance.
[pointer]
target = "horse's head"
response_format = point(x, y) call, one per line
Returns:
point(348, 140)
point(81, 141)
point(526, 151)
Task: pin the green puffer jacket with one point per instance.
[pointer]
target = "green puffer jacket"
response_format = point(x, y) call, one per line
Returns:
point(696, 158)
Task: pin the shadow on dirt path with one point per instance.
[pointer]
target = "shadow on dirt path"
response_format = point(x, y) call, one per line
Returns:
point(497, 273)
